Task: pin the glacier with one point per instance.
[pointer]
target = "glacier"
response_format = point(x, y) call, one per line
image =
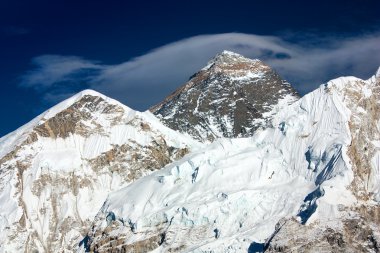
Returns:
point(245, 188)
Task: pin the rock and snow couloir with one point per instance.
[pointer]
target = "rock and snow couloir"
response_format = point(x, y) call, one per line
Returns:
point(56, 171)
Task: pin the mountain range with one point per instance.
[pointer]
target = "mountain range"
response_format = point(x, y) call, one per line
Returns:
point(234, 160)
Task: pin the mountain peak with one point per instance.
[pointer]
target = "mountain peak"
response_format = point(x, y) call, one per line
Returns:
point(231, 97)
point(229, 58)
point(378, 73)
point(56, 171)
point(226, 53)
point(89, 92)
point(76, 114)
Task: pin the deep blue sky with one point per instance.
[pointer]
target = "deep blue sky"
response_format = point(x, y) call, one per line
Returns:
point(108, 33)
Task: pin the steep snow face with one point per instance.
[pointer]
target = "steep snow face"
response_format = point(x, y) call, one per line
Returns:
point(355, 227)
point(231, 97)
point(56, 171)
point(229, 196)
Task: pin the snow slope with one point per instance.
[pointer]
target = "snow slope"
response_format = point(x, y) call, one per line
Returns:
point(56, 171)
point(350, 227)
point(236, 194)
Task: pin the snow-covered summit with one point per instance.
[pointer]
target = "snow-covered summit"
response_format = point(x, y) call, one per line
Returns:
point(71, 111)
point(53, 111)
point(229, 53)
point(232, 96)
point(227, 57)
point(56, 171)
point(80, 96)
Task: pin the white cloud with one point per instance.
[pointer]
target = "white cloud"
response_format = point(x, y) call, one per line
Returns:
point(147, 79)
point(53, 69)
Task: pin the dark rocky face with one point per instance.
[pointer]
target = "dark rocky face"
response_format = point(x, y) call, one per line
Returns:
point(231, 97)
